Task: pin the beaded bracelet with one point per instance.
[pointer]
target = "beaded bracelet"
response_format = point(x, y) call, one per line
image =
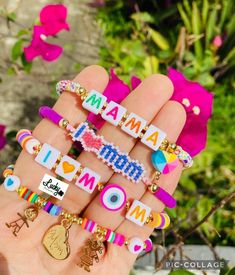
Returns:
point(131, 123)
point(86, 179)
point(111, 155)
point(92, 143)
point(135, 245)
point(112, 198)
point(63, 165)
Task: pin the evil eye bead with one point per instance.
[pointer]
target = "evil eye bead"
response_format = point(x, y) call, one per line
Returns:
point(135, 245)
point(113, 197)
point(164, 162)
point(11, 183)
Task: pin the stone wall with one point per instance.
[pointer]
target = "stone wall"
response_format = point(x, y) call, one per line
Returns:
point(22, 94)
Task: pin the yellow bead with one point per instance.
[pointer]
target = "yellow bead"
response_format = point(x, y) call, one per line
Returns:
point(63, 123)
point(153, 188)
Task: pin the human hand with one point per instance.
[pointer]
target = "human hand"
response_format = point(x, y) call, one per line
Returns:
point(25, 254)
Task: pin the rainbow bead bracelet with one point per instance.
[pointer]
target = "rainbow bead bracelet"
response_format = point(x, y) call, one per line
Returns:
point(100, 232)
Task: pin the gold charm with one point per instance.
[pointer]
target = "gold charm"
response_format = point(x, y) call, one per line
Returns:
point(55, 240)
point(30, 214)
point(89, 253)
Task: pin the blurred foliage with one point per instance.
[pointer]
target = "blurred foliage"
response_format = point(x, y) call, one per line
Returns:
point(197, 38)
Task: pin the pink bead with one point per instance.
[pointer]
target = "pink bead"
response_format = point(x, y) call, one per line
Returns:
point(148, 244)
point(109, 231)
point(119, 239)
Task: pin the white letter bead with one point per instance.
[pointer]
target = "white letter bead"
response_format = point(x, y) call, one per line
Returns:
point(67, 168)
point(153, 137)
point(133, 125)
point(47, 156)
point(138, 212)
point(113, 113)
point(94, 102)
point(88, 180)
point(53, 187)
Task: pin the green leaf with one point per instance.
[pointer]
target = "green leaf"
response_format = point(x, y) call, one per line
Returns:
point(11, 71)
point(184, 17)
point(211, 25)
point(11, 135)
point(231, 271)
point(205, 9)
point(187, 7)
point(230, 56)
point(16, 50)
point(181, 272)
point(142, 17)
point(22, 32)
point(11, 16)
point(227, 7)
point(206, 80)
point(151, 65)
point(196, 28)
point(159, 39)
point(26, 65)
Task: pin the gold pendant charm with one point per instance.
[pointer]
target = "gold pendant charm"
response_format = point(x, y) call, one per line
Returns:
point(90, 252)
point(55, 240)
point(30, 214)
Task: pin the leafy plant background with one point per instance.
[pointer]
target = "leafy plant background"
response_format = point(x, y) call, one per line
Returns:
point(144, 37)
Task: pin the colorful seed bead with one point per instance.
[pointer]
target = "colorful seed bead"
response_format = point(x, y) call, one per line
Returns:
point(66, 85)
point(184, 157)
point(110, 236)
point(55, 210)
point(84, 222)
point(47, 207)
point(119, 239)
point(8, 171)
point(23, 136)
point(89, 225)
point(23, 132)
point(167, 220)
point(28, 195)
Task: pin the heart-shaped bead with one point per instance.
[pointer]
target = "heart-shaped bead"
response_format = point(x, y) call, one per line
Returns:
point(11, 183)
point(136, 245)
point(67, 167)
point(164, 162)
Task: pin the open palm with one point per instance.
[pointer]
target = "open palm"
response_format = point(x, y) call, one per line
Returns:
point(25, 253)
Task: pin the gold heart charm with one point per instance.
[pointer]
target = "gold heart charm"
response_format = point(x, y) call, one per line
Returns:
point(56, 243)
point(67, 167)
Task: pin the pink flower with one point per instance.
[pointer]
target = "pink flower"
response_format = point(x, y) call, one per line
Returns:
point(116, 90)
point(217, 41)
point(39, 47)
point(2, 136)
point(53, 19)
point(197, 102)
